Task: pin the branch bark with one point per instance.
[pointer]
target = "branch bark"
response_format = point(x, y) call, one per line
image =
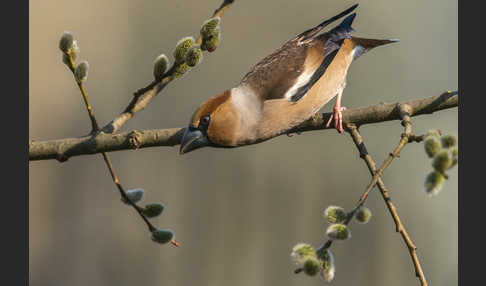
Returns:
point(63, 149)
point(412, 249)
point(404, 111)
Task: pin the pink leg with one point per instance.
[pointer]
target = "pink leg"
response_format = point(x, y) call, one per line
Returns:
point(337, 115)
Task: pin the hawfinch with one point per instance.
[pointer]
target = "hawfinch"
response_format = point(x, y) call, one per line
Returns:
point(282, 90)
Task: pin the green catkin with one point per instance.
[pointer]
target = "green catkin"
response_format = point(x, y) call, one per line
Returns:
point(328, 269)
point(448, 141)
point(433, 183)
point(432, 145)
point(335, 214)
point(193, 56)
point(338, 231)
point(133, 195)
point(209, 26)
point(160, 66)
point(162, 235)
point(180, 70)
point(311, 266)
point(81, 71)
point(181, 49)
point(153, 209)
point(211, 42)
point(442, 161)
point(363, 215)
point(66, 42)
point(301, 251)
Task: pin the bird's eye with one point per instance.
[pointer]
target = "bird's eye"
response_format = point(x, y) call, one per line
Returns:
point(204, 121)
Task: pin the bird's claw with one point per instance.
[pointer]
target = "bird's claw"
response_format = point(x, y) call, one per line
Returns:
point(338, 118)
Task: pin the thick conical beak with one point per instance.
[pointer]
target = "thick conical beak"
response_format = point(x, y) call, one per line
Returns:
point(364, 45)
point(193, 139)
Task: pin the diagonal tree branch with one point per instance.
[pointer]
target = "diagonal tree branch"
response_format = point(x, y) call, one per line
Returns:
point(358, 141)
point(103, 142)
point(141, 99)
point(71, 65)
point(145, 95)
point(405, 112)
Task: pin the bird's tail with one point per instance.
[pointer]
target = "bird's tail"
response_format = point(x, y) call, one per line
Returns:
point(363, 45)
point(342, 30)
point(313, 31)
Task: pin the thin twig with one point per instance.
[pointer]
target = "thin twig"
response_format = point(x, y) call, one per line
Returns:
point(123, 193)
point(145, 95)
point(95, 127)
point(358, 140)
point(405, 112)
point(94, 124)
point(102, 142)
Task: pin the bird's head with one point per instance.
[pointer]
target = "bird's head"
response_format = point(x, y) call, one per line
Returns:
point(212, 124)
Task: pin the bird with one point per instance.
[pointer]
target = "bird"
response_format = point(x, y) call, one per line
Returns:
point(283, 90)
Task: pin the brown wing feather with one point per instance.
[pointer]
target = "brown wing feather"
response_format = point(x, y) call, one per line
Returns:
point(277, 72)
point(273, 76)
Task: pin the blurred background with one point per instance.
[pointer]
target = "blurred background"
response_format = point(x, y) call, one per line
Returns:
point(237, 213)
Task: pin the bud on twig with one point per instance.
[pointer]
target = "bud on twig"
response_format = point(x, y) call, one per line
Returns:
point(160, 66)
point(363, 215)
point(327, 260)
point(432, 145)
point(180, 70)
point(66, 42)
point(442, 161)
point(181, 49)
point(209, 26)
point(448, 141)
point(153, 210)
point(311, 266)
point(301, 251)
point(338, 231)
point(193, 56)
point(212, 41)
point(328, 272)
point(433, 183)
point(162, 235)
point(334, 214)
point(81, 71)
point(69, 47)
point(134, 195)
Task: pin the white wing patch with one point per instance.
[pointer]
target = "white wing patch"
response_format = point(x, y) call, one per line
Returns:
point(301, 81)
